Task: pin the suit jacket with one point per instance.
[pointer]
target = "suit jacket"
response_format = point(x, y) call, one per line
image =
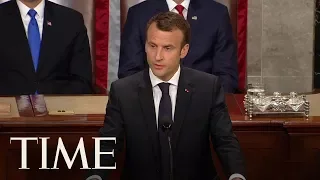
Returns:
point(200, 113)
point(64, 63)
point(212, 48)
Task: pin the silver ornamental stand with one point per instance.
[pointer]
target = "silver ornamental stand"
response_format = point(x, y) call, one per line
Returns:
point(259, 104)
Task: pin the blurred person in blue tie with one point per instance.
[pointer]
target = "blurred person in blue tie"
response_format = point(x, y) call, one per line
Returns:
point(44, 49)
point(212, 48)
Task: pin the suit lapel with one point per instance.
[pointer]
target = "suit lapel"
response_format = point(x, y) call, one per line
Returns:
point(147, 106)
point(48, 35)
point(16, 27)
point(193, 19)
point(161, 6)
point(184, 94)
point(192, 16)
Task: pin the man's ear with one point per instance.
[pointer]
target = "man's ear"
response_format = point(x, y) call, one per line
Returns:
point(184, 51)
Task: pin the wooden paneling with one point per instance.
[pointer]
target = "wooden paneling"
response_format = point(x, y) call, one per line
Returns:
point(274, 148)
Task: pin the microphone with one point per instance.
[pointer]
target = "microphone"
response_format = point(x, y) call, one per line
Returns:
point(166, 128)
point(94, 177)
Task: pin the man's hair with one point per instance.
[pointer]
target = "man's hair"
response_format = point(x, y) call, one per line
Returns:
point(168, 21)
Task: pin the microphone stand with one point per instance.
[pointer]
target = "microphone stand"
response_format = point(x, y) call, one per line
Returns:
point(171, 159)
point(167, 129)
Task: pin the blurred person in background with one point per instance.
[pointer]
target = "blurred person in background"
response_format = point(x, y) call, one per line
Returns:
point(44, 49)
point(212, 49)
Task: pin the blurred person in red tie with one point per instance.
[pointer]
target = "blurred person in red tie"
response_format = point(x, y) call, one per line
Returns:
point(212, 49)
point(44, 49)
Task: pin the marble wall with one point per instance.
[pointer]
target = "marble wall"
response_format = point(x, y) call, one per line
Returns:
point(280, 51)
point(317, 47)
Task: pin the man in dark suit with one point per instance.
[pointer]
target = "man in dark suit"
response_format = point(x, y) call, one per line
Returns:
point(44, 49)
point(188, 102)
point(212, 48)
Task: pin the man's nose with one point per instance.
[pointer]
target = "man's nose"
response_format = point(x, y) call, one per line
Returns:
point(159, 55)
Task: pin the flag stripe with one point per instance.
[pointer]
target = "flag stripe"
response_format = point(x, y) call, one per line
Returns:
point(242, 42)
point(102, 42)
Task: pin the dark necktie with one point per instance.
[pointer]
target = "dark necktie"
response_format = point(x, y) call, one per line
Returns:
point(180, 9)
point(165, 113)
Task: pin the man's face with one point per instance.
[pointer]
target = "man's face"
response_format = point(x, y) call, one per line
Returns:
point(164, 51)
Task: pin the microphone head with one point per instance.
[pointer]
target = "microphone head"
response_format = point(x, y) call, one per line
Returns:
point(166, 123)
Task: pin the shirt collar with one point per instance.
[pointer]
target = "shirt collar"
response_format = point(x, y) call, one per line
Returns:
point(172, 4)
point(25, 9)
point(155, 80)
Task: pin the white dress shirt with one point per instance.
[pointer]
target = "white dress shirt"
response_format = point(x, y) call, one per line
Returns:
point(157, 93)
point(26, 18)
point(185, 4)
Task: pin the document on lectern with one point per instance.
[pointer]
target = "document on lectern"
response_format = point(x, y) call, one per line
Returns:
point(8, 107)
point(75, 105)
point(5, 109)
